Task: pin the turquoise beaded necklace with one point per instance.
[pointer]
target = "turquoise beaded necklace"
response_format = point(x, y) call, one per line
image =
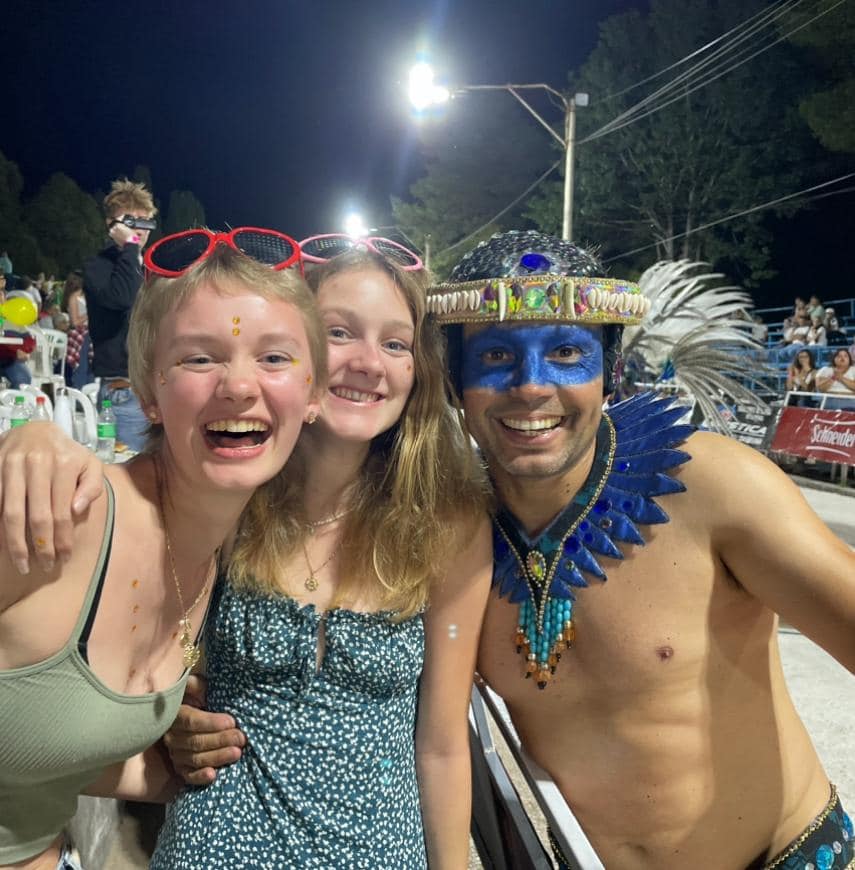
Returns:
point(545, 627)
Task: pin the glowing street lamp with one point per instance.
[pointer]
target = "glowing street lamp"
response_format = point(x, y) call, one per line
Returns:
point(422, 90)
point(354, 225)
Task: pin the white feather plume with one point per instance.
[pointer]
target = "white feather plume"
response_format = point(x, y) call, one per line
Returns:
point(699, 326)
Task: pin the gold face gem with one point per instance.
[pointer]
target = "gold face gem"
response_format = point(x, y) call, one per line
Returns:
point(235, 320)
point(235, 331)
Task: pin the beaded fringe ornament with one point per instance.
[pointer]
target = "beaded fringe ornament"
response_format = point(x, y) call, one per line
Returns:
point(635, 449)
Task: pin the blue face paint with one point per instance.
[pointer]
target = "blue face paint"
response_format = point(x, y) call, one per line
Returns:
point(501, 358)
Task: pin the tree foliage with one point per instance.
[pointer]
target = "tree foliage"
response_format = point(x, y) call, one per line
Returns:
point(14, 236)
point(183, 213)
point(67, 223)
point(732, 144)
point(62, 225)
point(830, 44)
point(480, 156)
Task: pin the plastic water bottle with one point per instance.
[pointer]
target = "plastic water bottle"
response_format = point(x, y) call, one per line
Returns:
point(106, 449)
point(62, 415)
point(20, 412)
point(41, 412)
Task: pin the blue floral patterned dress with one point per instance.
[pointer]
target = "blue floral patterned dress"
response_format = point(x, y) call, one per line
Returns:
point(328, 777)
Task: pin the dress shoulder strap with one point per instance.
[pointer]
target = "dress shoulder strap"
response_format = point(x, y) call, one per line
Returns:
point(83, 627)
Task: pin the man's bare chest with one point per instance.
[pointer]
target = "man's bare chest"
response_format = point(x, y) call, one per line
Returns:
point(649, 622)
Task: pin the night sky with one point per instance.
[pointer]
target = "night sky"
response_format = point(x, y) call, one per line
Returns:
point(287, 115)
point(273, 113)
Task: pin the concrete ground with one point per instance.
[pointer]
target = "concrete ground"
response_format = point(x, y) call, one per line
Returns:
point(823, 691)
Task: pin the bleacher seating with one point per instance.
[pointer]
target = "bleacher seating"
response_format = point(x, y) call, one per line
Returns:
point(778, 362)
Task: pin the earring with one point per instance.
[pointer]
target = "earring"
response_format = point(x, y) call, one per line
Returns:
point(311, 418)
point(152, 415)
point(162, 378)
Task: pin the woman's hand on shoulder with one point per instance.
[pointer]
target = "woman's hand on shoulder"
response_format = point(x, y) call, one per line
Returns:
point(46, 479)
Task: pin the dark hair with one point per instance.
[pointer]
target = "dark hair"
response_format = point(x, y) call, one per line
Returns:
point(810, 357)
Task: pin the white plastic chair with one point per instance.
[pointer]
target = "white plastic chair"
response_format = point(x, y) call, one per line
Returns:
point(58, 345)
point(40, 362)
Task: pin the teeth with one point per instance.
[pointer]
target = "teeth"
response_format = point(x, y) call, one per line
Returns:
point(532, 425)
point(237, 426)
point(355, 395)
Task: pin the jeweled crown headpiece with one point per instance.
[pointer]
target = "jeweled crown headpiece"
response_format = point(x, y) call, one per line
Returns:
point(526, 275)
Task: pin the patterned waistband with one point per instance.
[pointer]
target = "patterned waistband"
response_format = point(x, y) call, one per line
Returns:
point(828, 843)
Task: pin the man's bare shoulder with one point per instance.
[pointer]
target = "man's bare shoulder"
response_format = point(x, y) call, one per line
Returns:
point(723, 470)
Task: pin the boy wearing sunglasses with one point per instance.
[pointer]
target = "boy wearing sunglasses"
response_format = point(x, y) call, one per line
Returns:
point(111, 281)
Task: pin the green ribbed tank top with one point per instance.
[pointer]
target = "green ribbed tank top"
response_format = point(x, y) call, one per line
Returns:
point(60, 726)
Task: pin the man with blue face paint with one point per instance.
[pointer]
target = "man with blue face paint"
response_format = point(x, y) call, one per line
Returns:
point(656, 700)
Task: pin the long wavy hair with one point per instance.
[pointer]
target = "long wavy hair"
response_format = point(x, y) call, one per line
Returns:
point(419, 493)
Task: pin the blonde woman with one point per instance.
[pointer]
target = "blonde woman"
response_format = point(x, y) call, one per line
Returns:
point(343, 644)
point(95, 651)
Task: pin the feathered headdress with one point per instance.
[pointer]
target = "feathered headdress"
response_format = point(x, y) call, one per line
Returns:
point(695, 336)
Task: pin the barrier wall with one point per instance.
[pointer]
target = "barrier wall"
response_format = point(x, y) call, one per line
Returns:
point(816, 433)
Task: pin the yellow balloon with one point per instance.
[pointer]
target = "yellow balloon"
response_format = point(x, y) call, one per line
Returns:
point(20, 311)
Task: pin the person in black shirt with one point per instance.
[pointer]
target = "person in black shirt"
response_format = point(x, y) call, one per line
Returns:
point(111, 280)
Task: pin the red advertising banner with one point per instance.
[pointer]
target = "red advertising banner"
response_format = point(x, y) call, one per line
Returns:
point(825, 435)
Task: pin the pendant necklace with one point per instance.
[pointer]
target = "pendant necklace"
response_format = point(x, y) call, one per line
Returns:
point(185, 640)
point(311, 582)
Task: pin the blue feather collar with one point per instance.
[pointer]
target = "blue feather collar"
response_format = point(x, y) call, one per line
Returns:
point(635, 447)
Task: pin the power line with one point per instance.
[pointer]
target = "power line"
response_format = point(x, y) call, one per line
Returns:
point(626, 118)
point(696, 52)
point(507, 208)
point(731, 217)
point(769, 18)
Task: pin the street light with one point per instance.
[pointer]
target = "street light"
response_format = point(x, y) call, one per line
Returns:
point(356, 226)
point(424, 92)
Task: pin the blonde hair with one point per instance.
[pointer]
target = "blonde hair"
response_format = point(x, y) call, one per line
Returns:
point(421, 483)
point(226, 271)
point(126, 196)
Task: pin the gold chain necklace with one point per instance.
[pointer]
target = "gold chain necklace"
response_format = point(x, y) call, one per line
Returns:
point(311, 582)
point(185, 641)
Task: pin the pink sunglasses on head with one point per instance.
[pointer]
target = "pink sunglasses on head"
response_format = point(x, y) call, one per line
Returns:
point(319, 249)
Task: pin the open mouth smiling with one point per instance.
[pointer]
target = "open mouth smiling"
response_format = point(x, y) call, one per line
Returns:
point(355, 395)
point(531, 428)
point(237, 432)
